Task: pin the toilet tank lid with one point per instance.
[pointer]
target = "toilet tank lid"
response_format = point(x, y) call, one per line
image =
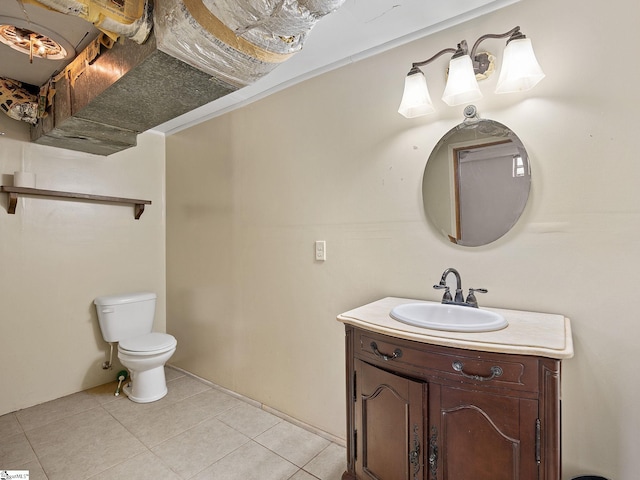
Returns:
point(125, 298)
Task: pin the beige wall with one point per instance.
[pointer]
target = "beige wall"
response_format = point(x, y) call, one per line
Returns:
point(56, 256)
point(330, 159)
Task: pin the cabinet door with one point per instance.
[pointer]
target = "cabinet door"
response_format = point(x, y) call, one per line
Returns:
point(389, 421)
point(481, 436)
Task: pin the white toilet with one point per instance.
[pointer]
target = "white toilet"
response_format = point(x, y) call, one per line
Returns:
point(128, 320)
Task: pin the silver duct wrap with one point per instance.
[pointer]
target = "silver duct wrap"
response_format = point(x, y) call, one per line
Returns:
point(236, 41)
point(127, 18)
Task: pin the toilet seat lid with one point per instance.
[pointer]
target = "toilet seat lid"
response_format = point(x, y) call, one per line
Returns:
point(150, 342)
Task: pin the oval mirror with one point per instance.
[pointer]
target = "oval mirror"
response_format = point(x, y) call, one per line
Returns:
point(476, 182)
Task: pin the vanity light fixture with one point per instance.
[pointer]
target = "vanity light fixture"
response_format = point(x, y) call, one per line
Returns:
point(520, 71)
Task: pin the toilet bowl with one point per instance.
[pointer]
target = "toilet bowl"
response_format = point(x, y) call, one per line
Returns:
point(128, 320)
point(145, 356)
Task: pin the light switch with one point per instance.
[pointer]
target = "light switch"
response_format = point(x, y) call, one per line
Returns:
point(321, 250)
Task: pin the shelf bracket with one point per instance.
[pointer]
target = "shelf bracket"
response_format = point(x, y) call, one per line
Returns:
point(13, 201)
point(138, 210)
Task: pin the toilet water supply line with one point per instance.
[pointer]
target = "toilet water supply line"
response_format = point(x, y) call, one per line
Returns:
point(122, 375)
point(108, 365)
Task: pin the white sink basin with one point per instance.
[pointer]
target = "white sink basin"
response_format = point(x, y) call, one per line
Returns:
point(451, 318)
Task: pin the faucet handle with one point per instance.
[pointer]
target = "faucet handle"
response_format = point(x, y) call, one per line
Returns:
point(471, 298)
point(479, 290)
point(447, 294)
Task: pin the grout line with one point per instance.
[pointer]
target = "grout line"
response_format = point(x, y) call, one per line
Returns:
point(310, 428)
point(305, 426)
point(249, 440)
point(134, 436)
point(35, 454)
point(248, 400)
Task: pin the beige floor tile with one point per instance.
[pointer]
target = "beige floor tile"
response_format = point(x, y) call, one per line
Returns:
point(35, 470)
point(105, 393)
point(82, 445)
point(249, 462)
point(145, 466)
point(178, 389)
point(172, 373)
point(199, 447)
point(15, 450)
point(125, 410)
point(184, 387)
point(196, 432)
point(292, 442)
point(154, 423)
point(329, 464)
point(9, 425)
point(212, 401)
point(249, 420)
point(54, 410)
point(302, 475)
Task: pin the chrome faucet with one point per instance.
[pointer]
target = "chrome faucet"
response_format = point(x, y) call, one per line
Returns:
point(471, 300)
point(443, 285)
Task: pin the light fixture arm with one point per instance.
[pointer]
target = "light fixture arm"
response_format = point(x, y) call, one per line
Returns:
point(462, 49)
point(439, 54)
point(513, 33)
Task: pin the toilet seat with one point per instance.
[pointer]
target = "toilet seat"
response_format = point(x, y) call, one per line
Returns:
point(149, 344)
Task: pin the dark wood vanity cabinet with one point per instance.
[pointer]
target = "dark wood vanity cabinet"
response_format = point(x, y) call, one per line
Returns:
point(417, 411)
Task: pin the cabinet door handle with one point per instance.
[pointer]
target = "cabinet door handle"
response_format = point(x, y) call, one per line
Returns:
point(433, 453)
point(414, 455)
point(397, 353)
point(496, 372)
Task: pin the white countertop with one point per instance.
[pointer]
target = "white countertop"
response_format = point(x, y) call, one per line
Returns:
point(528, 333)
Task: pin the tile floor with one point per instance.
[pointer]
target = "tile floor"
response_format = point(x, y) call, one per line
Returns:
point(196, 432)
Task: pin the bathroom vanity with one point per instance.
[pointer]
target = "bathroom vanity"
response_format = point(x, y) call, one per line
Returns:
point(426, 404)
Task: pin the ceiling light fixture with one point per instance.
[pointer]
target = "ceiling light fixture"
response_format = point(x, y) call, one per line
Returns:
point(520, 71)
point(31, 43)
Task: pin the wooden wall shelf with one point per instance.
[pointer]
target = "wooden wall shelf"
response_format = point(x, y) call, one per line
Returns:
point(15, 192)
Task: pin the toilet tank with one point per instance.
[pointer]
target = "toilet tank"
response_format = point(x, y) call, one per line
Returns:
point(125, 316)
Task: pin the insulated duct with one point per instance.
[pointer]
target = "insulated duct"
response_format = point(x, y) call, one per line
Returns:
point(236, 41)
point(124, 91)
point(198, 51)
point(127, 18)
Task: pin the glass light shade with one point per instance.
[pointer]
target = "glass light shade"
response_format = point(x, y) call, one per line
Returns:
point(462, 86)
point(520, 69)
point(416, 100)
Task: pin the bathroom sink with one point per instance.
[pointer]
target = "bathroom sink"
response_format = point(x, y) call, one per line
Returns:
point(447, 317)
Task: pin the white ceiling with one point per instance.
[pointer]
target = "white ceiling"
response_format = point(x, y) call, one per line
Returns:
point(358, 29)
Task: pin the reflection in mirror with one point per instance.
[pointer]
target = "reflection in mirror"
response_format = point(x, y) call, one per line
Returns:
point(476, 182)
